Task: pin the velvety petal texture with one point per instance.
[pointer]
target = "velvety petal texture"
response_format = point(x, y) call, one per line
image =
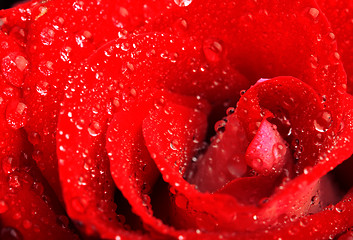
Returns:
point(176, 119)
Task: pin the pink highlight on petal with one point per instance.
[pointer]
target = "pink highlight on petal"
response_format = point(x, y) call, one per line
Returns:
point(268, 152)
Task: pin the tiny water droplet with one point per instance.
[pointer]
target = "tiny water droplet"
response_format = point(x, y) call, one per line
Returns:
point(307, 170)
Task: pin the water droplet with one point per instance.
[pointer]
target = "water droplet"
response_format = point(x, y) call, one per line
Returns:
point(174, 144)
point(47, 36)
point(12, 67)
point(213, 50)
point(314, 12)
point(183, 3)
point(323, 122)
point(38, 188)
point(307, 170)
point(46, 68)
point(63, 221)
point(21, 63)
point(181, 25)
point(79, 204)
point(94, 129)
point(78, 5)
point(14, 181)
point(116, 102)
point(10, 233)
point(278, 150)
point(27, 224)
point(133, 92)
point(123, 12)
point(65, 53)
point(3, 207)
point(16, 113)
point(181, 201)
point(230, 111)
point(9, 164)
point(220, 126)
point(42, 88)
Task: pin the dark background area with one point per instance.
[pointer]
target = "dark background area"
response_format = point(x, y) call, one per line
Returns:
point(7, 3)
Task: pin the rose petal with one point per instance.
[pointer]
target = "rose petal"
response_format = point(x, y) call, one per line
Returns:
point(224, 159)
point(268, 153)
point(132, 168)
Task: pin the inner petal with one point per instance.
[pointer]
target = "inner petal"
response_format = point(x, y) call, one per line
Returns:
point(224, 159)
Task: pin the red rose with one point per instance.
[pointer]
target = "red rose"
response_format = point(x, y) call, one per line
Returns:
point(176, 119)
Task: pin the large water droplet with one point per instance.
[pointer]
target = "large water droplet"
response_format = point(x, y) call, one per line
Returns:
point(3, 207)
point(47, 36)
point(314, 13)
point(94, 129)
point(220, 126)
point(14, 181)
point(27, 224)
point(183, 3)
point(46, 67)
point(10, 233)
point(278, 150)
point(213, 50)
point(42, 88)
point(12, 67)
point(79, 204)
point(16, 114)
point(65, 53)
point(323, 121)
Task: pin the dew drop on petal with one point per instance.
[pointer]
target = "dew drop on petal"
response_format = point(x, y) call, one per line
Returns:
point(14, 181)
point(183, 3)
point(42, 88)
point(314, 13)
point(79, 204)
point(278, 150)
point(46, 68)
point(16, 113)
point(47, 36)
point(94, 129)
point(27, 224)
point(323, 121)
point(12, 67)
point(213, 50)
point(10, 233)
point(3, 207)
point(220, 126)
